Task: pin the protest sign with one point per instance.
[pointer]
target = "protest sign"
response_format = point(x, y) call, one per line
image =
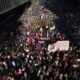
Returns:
point(59, 45)
point(62, 45)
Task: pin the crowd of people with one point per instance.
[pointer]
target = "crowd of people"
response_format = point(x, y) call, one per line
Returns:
point(25, 55)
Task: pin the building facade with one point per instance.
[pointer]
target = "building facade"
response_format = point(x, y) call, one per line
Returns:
point(6, 5)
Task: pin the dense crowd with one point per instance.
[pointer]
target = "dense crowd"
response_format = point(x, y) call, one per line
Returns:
point(25, 55)
point(29, 58)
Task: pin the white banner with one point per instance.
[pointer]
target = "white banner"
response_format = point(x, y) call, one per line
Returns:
point(59, 45)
